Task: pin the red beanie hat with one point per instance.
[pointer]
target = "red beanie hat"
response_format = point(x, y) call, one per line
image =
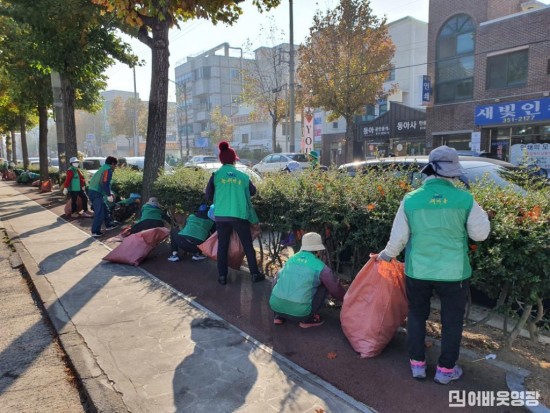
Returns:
point(227, 154)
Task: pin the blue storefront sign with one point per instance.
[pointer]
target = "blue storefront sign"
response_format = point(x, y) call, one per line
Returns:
point(426, 90)
point(533, 110)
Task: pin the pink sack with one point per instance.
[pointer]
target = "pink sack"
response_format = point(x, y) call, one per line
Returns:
point(235, 255)
point(135, 248)
point(68, 206)
point(374, 306)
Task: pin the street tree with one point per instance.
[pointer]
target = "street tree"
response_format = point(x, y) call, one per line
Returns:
point(76, 41)
point(29, 91)
point(151, 21)
point(345, 61)
point(221, 127)
point(265, 80)
point(121, 117)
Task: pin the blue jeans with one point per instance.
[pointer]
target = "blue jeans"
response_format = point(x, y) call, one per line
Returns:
point(453, 296)
point(100, 210)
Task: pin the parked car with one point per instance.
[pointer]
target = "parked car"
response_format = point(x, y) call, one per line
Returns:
point(276, 162)
point(92, 164)
point(138, 163)
point(475, 168)
point(198, 159)
point(214, 166)
point(245, 162)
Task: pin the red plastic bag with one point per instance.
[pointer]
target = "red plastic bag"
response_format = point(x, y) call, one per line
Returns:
point(235, 254)
point(374, 306)
point(135, 248)
point(68, 207)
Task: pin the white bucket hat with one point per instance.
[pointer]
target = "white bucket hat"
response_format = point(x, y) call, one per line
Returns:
point(444, 162)
point(73, 160)
point(153, 201)
point(312, 242)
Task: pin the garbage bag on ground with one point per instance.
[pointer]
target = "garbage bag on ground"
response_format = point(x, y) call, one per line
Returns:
point(374, 306)
point(135, 248)
point(235, 254)
point(68, 207)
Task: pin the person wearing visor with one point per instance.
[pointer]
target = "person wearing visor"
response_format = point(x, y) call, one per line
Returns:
point(434, 223)
point(303, 284)
point(74, 186)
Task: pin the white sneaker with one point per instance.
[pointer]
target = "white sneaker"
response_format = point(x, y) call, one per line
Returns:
point(198, 257)
point(174, 258)
point(75, 215)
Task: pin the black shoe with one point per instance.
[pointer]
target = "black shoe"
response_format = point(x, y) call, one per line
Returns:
point(222, 280)
point(112, 225)
point(97, 234)
point(257, 277)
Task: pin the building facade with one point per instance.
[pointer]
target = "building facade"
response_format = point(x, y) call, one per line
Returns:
point(490, 73)
point(203, 82)
point(397, 124)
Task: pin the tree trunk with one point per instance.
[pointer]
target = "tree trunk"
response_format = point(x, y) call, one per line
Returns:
point(13, 147)
point(8, 147)
point(349, 138)
point(43, 141)
point(517, 329)
point(69, 123)
point(155, 146)
point(273, 135)
point(24, 149)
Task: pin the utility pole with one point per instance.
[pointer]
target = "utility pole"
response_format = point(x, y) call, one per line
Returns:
point(291, 79)
point(59, 121)
point(136, 137)
point(178, 123)
point(186, 120)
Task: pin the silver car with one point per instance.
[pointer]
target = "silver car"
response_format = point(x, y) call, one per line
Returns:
point(277, 162)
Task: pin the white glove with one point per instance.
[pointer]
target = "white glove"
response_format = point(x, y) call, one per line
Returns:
point(65, 191)
point(110, 198)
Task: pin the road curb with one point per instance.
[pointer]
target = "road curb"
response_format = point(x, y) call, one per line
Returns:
point(99, 391)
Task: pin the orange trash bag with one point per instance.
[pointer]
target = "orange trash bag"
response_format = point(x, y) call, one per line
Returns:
point(68, 206)
point(235, 255)
point(135, 248)
point(374, 306)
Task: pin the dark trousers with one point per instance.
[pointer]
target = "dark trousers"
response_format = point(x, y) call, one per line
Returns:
point(316, 303)
point(453, 296)
point(99, 208)
point(242, 228)
point(74, 198)
point(146, 224)
point(186, 244)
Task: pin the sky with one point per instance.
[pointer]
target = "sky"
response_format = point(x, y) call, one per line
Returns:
point(197, 36)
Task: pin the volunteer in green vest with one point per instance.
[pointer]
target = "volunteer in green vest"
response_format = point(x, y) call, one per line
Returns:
point(231, 189)
point(434, 223)
point(74, 185)
point(303, 284)
point(198, 227)
point(98, 187)
point(152, 216)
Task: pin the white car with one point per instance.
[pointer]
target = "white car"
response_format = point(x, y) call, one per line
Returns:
point(277, 162)
point(214, 166)
point(138, 162)
point(198, 159)
point(92, 164)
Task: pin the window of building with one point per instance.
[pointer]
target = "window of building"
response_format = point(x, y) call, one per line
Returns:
point(391, 74)
point(507, 70)
point(334, 125)
point(244, 138)
point(235, 74)
point(454, 67)
point(382, 108)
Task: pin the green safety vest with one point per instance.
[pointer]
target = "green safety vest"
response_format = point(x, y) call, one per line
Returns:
point(231, 192)
point(438, 245)
point(197, 227)
point(150, 212)
point(297, 284)
point(75, 181)
point(94, 184)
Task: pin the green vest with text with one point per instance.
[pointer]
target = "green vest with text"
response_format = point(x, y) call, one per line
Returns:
point(297, 284)
point(75, 181)
point(438, 245)
point(95, 182)
point(150, 212)
point(196, 227)
point(231, 192)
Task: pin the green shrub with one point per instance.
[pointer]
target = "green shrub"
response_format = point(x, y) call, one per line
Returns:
point(126, 181)
point(182, 190)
